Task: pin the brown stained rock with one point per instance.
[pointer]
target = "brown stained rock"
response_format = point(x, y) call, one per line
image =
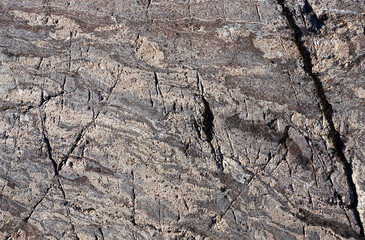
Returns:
point(136, 119)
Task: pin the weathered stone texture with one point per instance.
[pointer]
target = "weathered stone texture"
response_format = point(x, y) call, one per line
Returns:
point(182, 119)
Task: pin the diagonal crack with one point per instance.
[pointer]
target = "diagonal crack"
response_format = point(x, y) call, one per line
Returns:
point(37, 204)
point(48, 145)
point(73, 147)
point(26, 219)
point(208, 119)
point(75, 144)
point(326, 108)
point(148, 4)
point(101, 233)
point(239, 193)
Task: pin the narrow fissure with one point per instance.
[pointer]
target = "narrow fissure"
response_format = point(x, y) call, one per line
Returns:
point(49, 152)
point(48, 145)
point(37, 204)
point(208, 119)
point(133, 218)
point(101, 233)
point(207, 126)
point(156, 82)
point(334, 136)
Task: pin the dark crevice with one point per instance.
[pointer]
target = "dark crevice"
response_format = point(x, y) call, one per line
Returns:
point(213, 221)
point(39, 64)
point(158, 89)
point(186, 148)
point(133, 218)
point(101, 233)
point(316, 22)
point(49, 152)
point(156, 81)
point(326, 107)
point(62, 191)
point(207, 126)
point(199, 85)
point(208, 119)
point(111, 89)
point(133, 215)
point(26, 219)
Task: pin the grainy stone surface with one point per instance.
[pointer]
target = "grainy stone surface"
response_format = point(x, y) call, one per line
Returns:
point(183, 119)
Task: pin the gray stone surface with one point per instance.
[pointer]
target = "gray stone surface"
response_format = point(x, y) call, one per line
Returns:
point(182, 119)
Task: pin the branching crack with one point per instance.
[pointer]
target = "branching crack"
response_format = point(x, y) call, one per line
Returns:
point(326, 107)
point(58, 167)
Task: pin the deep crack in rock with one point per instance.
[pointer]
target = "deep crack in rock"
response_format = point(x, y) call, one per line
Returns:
point(326, 107)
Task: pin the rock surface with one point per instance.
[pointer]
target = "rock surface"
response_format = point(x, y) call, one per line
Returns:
point(184, 119)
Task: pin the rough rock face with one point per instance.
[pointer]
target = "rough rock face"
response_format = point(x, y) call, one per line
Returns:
point(183, 119)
